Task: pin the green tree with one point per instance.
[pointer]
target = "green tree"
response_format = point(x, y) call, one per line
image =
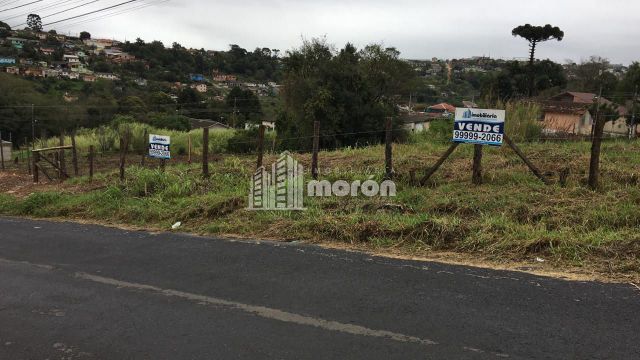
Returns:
point(244, 105)
point(85, 35)
point(34, 22)
point(535, 35)
point(349, 92)
point(5, 30)
point(133, 105)
point(590, 75)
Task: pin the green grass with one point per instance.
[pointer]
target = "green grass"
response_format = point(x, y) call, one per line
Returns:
point(513, 216)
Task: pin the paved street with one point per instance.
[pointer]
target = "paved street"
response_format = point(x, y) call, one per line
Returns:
point(71, 291)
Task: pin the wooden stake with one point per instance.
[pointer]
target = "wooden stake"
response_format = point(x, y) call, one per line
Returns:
point(74, 154)
point(28, 159)
point(91, 157)
point(124, 143)
point(189, 148)
point(596, 147)
point(476, 177)
point(205, 152)
point(62, 164)
point(1, 150)
point(437, 165)
point(145, 149)
point(36, 157)
point(316, 146)
point(532, 167)
point(163, 164)
point(388, 149)
point(260, 145)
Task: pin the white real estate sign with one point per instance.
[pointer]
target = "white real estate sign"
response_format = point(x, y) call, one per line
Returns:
point(159, 146)
point(479, 126)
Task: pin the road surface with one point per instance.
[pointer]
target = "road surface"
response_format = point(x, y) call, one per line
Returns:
point(70, 291)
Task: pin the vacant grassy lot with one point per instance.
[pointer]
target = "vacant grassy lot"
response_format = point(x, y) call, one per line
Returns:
point(512, 217)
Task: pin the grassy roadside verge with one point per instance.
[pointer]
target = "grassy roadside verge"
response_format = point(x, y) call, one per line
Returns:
point(513, 217)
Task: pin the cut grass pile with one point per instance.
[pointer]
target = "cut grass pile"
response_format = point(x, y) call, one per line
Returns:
point(513, 216)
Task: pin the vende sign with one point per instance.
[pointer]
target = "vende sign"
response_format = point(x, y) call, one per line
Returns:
point(479, 126)
point(159, 146)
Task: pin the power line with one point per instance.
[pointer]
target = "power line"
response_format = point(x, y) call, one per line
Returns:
point(17, 7)
point(37, 10)
point(8, 2)
point(108, 15)
point(91, 12)
point(65, 10)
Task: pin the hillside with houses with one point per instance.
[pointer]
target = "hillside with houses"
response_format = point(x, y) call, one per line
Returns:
point(236, 87)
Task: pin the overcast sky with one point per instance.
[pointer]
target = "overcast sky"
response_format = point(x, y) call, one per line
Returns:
point(419, 29)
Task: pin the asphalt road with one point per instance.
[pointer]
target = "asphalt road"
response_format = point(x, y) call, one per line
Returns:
point(70, 291)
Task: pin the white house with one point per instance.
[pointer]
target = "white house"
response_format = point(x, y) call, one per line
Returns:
point(107, 76)
point(6, 150)
point(71, 59)
point(202, 88)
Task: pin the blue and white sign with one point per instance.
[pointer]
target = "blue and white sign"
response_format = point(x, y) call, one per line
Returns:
point(479, 126)
point(159, 146)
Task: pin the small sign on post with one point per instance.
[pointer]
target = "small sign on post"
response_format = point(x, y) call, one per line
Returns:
point(479, 126)
point(159, 146)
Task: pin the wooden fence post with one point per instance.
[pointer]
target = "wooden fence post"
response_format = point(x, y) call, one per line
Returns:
point(476, 177)
point(28, 158)
point(596, 147)
point(63, 167)
point(1, 151)
point(260, 145)
point(146, 145)
point(124, 144)
point(74, 153)
point(91, 157)
point(316, 148)
point(388, 149)
point(189, 148)
point(36, 158)
point(205, 152)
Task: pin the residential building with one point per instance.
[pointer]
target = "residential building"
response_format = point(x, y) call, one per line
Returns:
point(416, 122)
point(71, 59)
point(141, 82)
point(7, 146)
point(206, 123)
point(117, 56)
point(107, 76)
point(7, 61)
point(47, 51)
point(13, 70)
point(201, 88)
point(570, 113)
point(17, 43)
point(52, 73)
point(35, 72)
point(224, 78)
point(441, 110)
point(88, 78)
point(197, 77)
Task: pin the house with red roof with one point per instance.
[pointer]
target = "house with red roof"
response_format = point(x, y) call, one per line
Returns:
point(569, 113)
